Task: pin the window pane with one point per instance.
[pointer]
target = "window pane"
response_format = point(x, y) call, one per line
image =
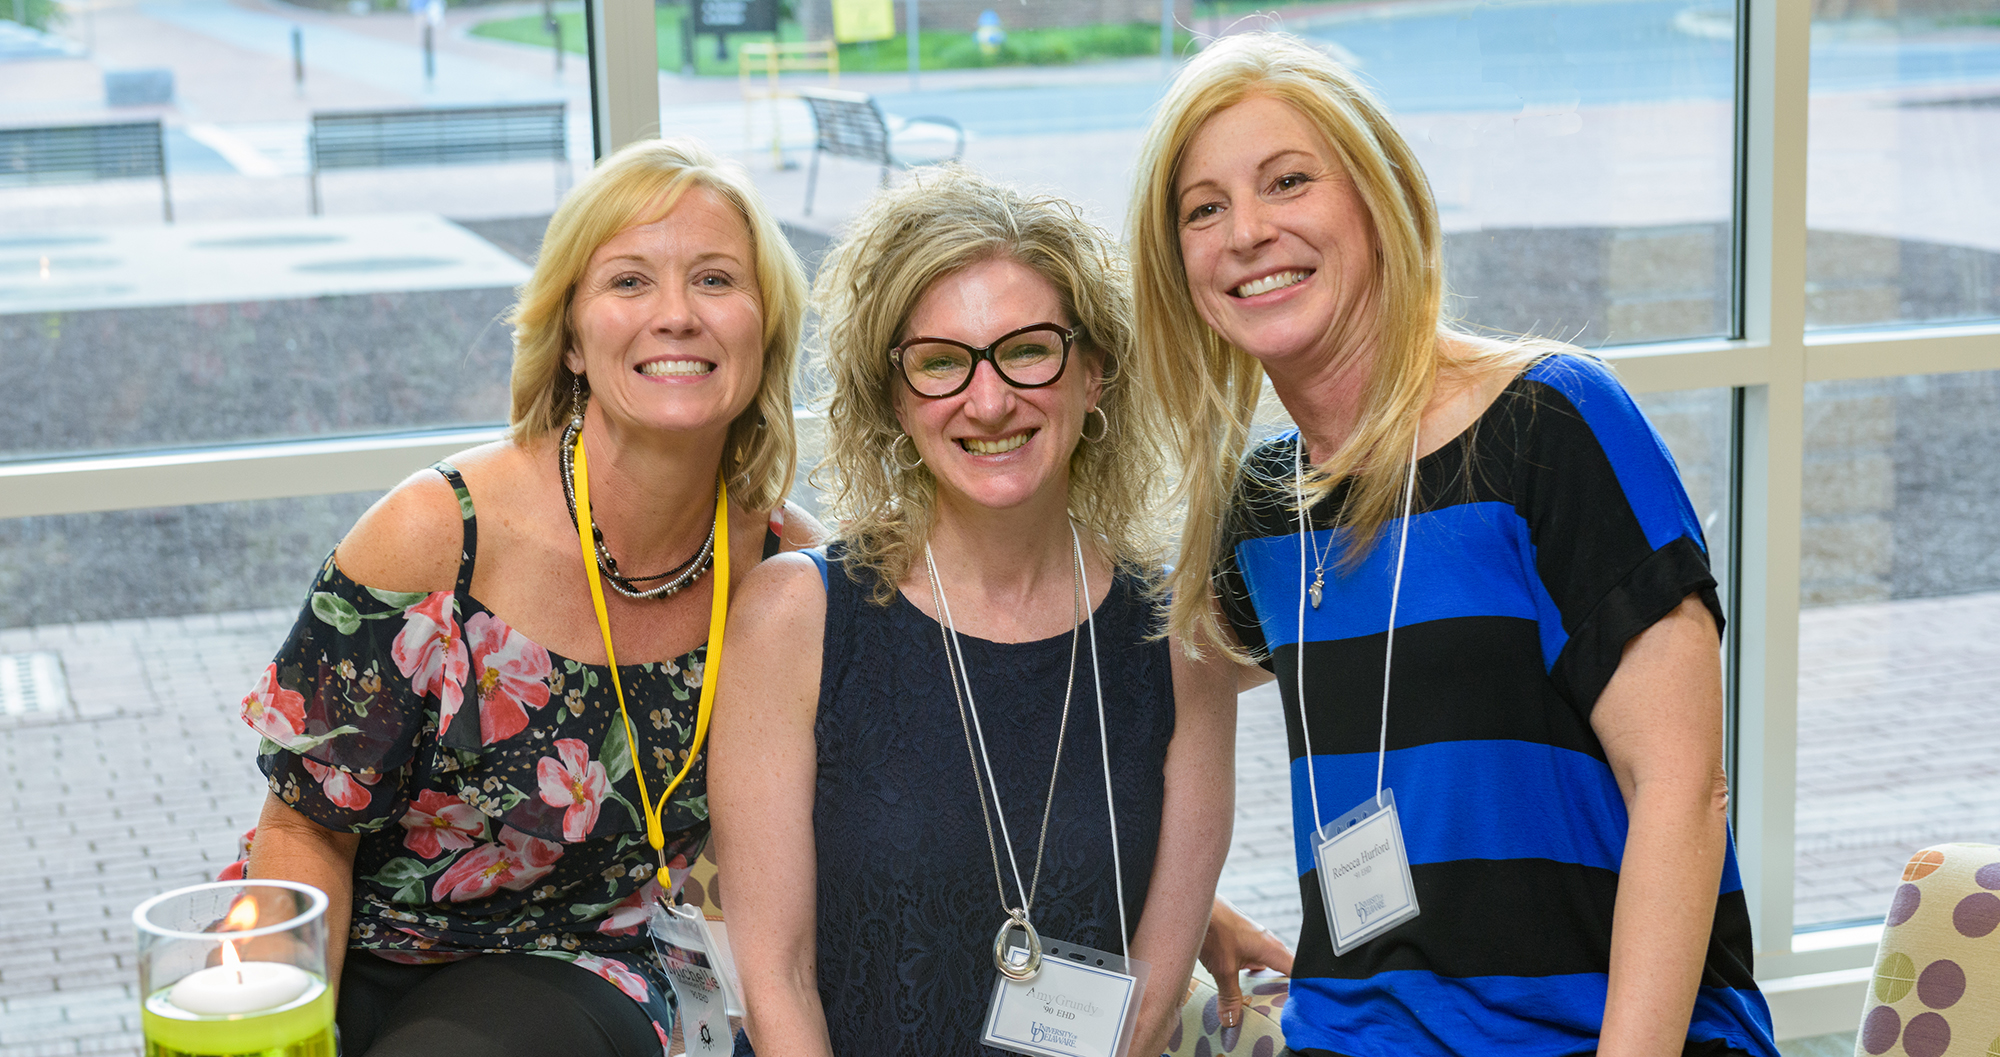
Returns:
point(1581, 154)
point(248, 315)
point(1900, 589)
point(1903, 202)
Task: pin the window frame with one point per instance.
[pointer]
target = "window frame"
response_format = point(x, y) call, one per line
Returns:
point(1814, 980)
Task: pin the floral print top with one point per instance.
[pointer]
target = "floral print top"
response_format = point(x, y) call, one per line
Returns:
point(490, 780)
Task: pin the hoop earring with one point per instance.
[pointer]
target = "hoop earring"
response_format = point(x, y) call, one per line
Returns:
point(576, 401)
point(1102, 433)
point(896, 453)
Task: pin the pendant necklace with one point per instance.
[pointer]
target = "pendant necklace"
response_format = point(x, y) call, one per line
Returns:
point(1025, 964)
point(1319, 556)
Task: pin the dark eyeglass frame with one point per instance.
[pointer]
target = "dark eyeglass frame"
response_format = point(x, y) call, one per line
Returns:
point(1067, 334)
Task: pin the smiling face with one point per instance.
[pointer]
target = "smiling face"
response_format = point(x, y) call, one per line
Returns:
point(993, 445)
point(668, 321)
point(1278, 248)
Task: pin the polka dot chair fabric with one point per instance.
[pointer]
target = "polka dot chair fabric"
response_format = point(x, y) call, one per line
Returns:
point(1936, 989)
point(1201, 1034)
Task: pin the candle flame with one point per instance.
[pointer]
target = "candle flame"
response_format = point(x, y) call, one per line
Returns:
point(242, 915)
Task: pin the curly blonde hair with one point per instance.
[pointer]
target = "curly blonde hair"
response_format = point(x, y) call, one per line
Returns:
point(939, 222)
point(1212, 387)
point(638, 185)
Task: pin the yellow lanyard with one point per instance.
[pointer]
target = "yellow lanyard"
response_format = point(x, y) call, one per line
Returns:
point(718, 610)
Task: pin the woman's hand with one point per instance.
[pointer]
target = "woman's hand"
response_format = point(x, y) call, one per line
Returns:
point(1232, 944)
point(292, 847)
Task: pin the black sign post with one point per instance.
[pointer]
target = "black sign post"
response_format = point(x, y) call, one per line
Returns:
point(722, 17)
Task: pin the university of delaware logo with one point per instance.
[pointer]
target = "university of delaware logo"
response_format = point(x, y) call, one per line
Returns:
point(1051, 1036)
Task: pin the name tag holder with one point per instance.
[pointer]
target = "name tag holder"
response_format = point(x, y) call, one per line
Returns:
point(696, 972)
point(1364, 873)
point(1082, 1003)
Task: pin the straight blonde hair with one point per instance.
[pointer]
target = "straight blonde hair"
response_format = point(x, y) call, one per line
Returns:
point(906, 239)
point(638, 185)
point(1209, 386)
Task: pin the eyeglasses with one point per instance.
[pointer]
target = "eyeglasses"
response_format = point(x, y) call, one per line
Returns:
point(1028, 358)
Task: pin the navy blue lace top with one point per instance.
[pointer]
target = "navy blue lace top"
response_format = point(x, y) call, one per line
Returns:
point(907, 904)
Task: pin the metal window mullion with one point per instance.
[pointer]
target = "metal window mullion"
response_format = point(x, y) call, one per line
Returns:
point(624, 72)
point(1776, 61)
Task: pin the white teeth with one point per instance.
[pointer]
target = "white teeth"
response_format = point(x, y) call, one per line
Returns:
point(661, 367)
point(996, 447)
point(1270, 283)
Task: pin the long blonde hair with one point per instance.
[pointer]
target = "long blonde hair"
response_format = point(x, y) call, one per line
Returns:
point(638, 185)
point(1211, 387)
point(906, 239)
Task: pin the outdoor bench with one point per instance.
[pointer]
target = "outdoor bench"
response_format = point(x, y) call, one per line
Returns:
point(437, 135)
point(851, 125)
point(49, 154)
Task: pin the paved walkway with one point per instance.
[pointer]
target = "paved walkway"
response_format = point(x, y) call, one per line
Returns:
point(142, 781)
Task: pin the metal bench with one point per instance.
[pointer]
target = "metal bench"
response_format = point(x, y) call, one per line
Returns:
point(455, 135)
point(851, 125)
point(51, 154)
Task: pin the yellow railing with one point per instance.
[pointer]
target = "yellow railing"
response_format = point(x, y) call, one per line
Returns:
point(772, 58)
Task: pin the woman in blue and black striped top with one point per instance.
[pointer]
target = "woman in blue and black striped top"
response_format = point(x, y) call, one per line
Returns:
point(1550, 717)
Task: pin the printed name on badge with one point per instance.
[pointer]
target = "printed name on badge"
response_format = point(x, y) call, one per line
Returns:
point(1071, 1008)
point(1364, 873)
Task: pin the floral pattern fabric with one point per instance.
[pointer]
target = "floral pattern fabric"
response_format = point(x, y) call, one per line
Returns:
point(491, 781)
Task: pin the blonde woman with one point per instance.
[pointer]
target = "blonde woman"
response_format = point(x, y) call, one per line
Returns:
point(959, 717)
point(1477, 579)
point(448, 758)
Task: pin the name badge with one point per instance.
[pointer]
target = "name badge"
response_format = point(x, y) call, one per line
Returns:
point(1083, 1003)
point(680, 934)
point(1364, 873)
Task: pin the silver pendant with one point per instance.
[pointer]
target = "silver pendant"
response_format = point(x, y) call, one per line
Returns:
point(1024, 965)
point(1314, 593)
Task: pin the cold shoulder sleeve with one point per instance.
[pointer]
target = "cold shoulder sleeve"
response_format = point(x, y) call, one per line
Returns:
point(360, 679)
point(1616, 542)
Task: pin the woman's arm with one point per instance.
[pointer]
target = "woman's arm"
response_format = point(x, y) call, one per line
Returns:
point(1660, 720)
point(1195, 816)
point(290, 847)
point(763, 763)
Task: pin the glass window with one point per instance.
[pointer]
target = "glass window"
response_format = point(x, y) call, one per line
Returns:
point(315, 232)
point(1900, 591)
point(1904, 203)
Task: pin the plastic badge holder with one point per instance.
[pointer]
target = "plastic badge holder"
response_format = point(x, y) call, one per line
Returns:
point(1364, 873)
point(1083, 1003)
point(680, 934)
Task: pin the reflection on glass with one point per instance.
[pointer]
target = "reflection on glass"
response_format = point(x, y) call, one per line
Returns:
point(1904, 203)
point(1900, 589)
point(310, 281)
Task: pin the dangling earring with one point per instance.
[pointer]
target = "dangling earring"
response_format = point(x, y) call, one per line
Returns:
point(896, 453)
point(1102, 433)
point(576, 401)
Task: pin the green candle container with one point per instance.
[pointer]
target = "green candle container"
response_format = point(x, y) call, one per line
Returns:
point(235, 968)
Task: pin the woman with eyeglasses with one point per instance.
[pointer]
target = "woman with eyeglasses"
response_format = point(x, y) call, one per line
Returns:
point(952, 755)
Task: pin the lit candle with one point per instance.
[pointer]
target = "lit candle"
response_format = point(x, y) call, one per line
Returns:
point(246, 987)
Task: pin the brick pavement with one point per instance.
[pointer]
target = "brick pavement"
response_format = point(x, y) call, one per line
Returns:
point(146, 783)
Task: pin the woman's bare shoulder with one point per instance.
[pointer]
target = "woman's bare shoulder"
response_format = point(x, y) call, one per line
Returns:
point(413, 537)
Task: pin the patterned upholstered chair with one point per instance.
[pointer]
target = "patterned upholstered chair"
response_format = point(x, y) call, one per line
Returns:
point(1936, 989)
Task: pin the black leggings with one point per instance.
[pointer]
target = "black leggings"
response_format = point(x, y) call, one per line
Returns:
point(494, 1005)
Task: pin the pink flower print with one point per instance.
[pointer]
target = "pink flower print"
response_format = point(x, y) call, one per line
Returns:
point(345, 788)
point(631, 912)
point(620, 977)
point(514, 863)
point(512, 672)
point(275, 712)
point(430, 652)
point(666, 1044)
point(577, 783)
point(439, 821)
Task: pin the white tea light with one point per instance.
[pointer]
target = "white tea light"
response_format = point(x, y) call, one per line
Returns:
point(245, 987)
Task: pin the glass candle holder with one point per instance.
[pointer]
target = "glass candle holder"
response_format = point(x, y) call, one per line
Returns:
point(235, 967)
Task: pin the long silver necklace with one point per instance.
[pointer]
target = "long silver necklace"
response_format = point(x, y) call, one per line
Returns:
point(676, 578)
point(1027, 964)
